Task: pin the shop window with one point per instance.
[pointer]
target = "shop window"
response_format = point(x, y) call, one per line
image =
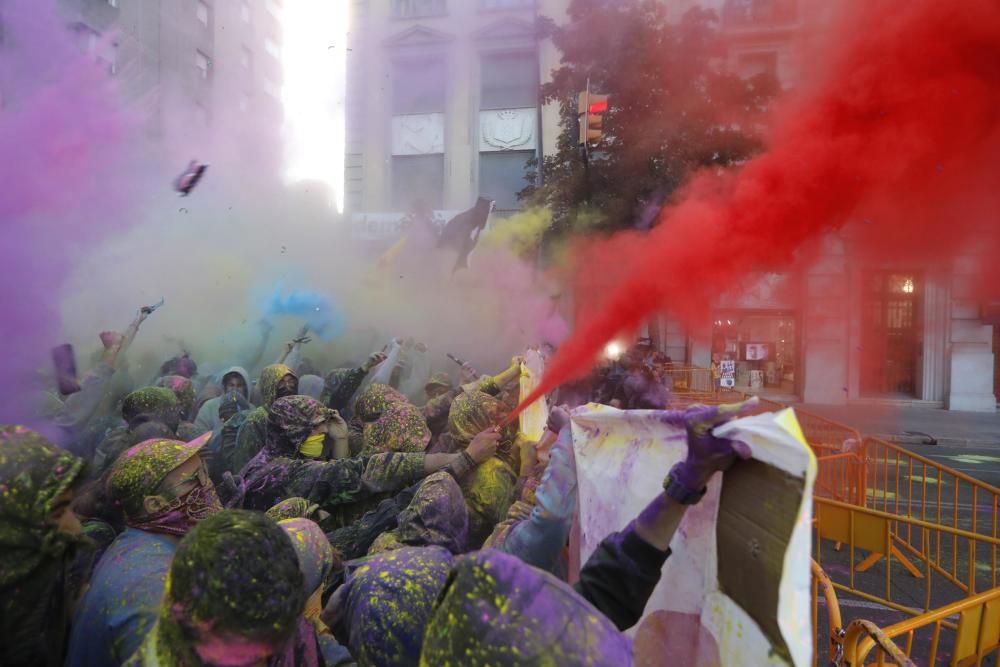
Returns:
point(764, 347)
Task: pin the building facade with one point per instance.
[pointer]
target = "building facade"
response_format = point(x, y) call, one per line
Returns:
point(844, 330)
point(443, 103)
point(191, 66)
point(442, 107)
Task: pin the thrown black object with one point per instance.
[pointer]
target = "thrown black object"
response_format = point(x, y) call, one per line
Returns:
point(186, 181)
point(462, 231)
point(65, 362)
point(148, 310)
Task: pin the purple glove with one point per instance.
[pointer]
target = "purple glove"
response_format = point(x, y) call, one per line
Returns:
point(708, 454)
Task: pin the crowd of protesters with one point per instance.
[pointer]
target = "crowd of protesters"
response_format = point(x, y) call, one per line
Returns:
point(381, 514)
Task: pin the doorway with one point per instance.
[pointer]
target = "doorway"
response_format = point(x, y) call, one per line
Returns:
point(891, 334)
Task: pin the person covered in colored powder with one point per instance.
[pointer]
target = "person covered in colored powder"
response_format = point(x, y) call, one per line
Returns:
point(235, 595)
point(38, 537)
point(424, 606)
point(163, 489)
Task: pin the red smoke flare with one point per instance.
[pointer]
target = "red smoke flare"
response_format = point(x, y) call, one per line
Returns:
point(901, 129)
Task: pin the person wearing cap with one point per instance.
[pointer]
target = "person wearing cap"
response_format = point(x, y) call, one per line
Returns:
point(164, 490)
point(39, 534)
point(148, 404)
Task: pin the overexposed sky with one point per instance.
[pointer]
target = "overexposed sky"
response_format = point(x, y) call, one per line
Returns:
point(314, 54)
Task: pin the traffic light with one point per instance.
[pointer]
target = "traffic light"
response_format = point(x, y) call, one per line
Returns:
point(591, 108)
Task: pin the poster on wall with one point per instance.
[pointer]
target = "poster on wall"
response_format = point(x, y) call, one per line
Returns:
point(727, 370)
point(756, 351)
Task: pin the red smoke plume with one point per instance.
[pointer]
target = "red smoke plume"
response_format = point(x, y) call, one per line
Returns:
point(900, 129)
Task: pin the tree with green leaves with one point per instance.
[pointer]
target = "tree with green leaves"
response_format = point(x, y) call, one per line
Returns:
point(674, 108)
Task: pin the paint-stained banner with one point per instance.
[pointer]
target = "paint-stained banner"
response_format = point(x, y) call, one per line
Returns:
point(736, 589)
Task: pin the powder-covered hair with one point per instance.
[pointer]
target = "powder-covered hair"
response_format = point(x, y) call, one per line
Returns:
point(236, 572)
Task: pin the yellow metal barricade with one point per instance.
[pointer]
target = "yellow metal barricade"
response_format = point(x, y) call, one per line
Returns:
point(974, 637)
point(905, 484)
point(822, 584)
point(866, 631)
point(869, 532)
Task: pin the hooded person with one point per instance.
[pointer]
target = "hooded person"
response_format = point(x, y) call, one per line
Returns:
point(234, 596)
point(38, 537)
point(149, 404)
point(400, 428)
point(317, 561)
point(436, 516)
point(163, 489)
point(234, 379)
point(185, 392)
point(440, 393)
point(311, 386)
point(491, 489)
point(289, 465)
point(250, 433)
point(383, 607)
point(495, 609)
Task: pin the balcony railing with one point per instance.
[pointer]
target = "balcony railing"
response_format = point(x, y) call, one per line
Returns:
point(411, 9)
point(750, 13)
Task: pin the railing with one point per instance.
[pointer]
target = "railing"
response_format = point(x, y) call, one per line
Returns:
point(874, 533)
point(871, 634)
point(902, 483)
point(821, 583)
point(691, 381)
point(976, 635)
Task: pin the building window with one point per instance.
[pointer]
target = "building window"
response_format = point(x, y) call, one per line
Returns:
point(202, 62)
point(273, 6)
point(244, 102)
point(416, 8)
point(113, 3)
point(245, 11)
point(418, 86)
point(507, 4)
point(202, 12)
point(417, 177)
point(501, 177)
point(272, 48)
point(510, 81)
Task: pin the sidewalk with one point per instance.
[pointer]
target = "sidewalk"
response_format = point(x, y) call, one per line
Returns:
point(914, 425)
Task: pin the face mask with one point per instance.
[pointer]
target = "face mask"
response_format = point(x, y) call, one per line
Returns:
point(180, 516)
point(313, 446)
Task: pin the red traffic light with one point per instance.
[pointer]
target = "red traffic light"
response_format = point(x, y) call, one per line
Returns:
point(598, 107)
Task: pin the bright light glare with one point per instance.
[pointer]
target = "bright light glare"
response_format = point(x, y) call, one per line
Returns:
point(613, 351)
point(314, 51)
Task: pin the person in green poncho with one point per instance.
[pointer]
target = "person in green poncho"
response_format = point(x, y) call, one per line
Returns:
point(38, 536)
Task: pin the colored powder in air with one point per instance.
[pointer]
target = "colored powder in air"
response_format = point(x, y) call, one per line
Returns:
point(323, 316)
point(897, 122)
point(61, 138)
